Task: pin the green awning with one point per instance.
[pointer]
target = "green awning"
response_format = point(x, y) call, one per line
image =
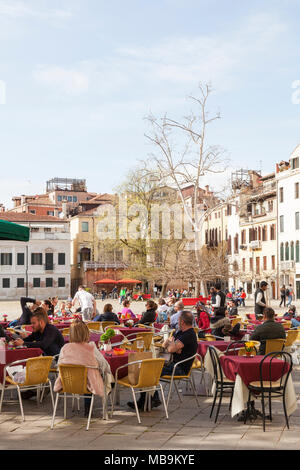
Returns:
point(11, 231)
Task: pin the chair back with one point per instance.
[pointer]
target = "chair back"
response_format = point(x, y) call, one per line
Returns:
point(150, 372)
point(234, 347)
point(291, 337)
point(274, 345)
point(287, 324)
point(236, 320)
point(210, 338)
point(37, 370)
point(106, 324)
point(283, 370)
point(94, 325)
point(196, 330)
point(73, 379)
point(65, 331)
point(218, 373)
point(143, 336)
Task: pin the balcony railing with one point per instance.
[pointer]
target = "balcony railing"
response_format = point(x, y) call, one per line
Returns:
point(255, 245)
point(287, 265)
point(103, 265)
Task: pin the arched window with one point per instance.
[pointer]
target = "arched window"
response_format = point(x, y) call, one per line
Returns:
point(292, 251)
point(287, 251)
point(281, 252)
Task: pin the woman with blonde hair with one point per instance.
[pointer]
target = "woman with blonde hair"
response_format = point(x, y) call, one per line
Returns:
point(80, 351)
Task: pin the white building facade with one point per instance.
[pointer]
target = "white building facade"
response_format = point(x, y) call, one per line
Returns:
point(41, 267)
point(288, 200)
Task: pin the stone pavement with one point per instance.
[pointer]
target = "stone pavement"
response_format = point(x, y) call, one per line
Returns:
point(188, 427)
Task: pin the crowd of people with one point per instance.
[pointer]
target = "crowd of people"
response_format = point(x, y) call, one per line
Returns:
point(214, 317)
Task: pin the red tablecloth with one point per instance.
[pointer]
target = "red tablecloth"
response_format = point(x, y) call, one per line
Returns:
point(4, 324)
point(248, 368)
point(62, 325)
point(17, 355)
point(204, 345)
point(116, 361)
point(128, 331)
point(145, 296)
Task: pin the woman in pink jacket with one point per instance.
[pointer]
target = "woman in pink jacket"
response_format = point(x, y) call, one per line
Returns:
point(79, 351)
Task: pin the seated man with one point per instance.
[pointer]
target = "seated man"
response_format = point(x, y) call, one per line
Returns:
point(45, 336)
point(174, 321)
point(221, 324)
point(182, 345)
point(232, 309)
point(26, 311)
point(270, 329)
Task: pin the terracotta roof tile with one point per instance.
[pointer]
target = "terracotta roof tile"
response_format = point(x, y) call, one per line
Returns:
point(23, 217)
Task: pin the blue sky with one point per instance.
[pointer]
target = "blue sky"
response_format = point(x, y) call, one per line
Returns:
point(81, 75)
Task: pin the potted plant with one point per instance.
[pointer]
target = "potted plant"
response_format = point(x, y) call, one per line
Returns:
point(106, 337)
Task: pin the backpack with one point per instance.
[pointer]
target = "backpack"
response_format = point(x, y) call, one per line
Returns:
point(287, 292)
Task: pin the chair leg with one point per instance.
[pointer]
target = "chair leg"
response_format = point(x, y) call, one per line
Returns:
point(114, 394)
point(248, 408)
point(194, 389)
point(285, 412)
point(263, 410)
point(1, 399)
point(169, 392)
point(65, 406)
point(90, 413)
point(51, 393)
point(136, 406)
point(54, 411)
point(176, 387)
point(21, 404)
point(164, 401)
point(270, 406)
point(231, 397)
point(214, 402)
point(219, 405)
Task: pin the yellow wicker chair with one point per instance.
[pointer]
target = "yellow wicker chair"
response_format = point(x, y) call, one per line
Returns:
point(273, 345)
point(148, 381)
point(291, 337)
point(74, 382)
point(209, 338)
point(94, 325)
point(107, 324)
point(65, 331)
point(235, 321)
point(172, 379)
point(37, 371)
point(143, 336)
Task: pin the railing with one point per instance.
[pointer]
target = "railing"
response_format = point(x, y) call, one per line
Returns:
point(255, 245)
point(99, 265)
point(287, 265)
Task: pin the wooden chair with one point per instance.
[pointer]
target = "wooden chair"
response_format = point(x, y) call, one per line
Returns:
point(273, 345)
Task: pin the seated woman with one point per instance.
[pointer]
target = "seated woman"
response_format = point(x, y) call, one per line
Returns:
point(203, 320)
point(61, 311)
point(162, 311)
point(80, 352)
point(221, 325)
point(107, 315)
point(150, 314)
point(127, 313)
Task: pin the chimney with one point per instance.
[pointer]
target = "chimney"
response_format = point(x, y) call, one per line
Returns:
point(2, 208)
point(64, 209)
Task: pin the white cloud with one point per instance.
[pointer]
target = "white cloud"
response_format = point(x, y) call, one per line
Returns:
point(20, 9)
point(69, 81)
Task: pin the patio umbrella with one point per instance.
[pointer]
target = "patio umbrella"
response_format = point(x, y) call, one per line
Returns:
point(11, 231)
point(129, 281)
point(106, 281)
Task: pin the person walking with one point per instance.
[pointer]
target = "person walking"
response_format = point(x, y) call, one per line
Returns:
point(289, 293)
point(260, 300)
point(282, 296)
point(87, 303)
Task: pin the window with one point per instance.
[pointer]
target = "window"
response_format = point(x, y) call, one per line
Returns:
point(36, 258)
point(49, 282)
point(297, 252)
point(296, 190)
point(264, 234)
point(244, 264)
point(287, 251)
point(59, 198)
point(20, 282)
point(70, 198)
point(280, 194)
point(244, 237)
point(257, 265)
point(50, 213)
point(297, 225)
point(47, 229)
point(292, 251)
point(270, 206)
point(84, 226)
point(6, 259)
point(273, 262)
point(281, 252)
point(6, 283)
point(265, 263)
point(61, 282)
point(74, 198)
point(36, 282)
point(295, 163)
point(273, 232)
point(229, 209)
point(49, 262)
point(32, 211)
point(20, 259)
point(251, 264)
point(65, 198)
point(61, 258)
point(282, 223)
point(229, 249)
point(236, 243)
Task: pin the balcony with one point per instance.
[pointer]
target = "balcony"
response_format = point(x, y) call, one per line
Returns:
point(287, 265)
point(50, 236)
point(99, 265)
point(255, 245)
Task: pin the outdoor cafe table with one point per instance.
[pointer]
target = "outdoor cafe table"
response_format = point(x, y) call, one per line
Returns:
point(115, 361)
point(126, 331)
point(243, 370)
point(204, 345)
point(12, 355)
